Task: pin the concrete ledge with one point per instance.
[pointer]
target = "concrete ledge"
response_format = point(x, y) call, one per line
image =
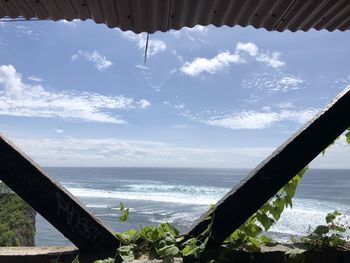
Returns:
point(38, 254)
point(280, 253)
point(273, 254)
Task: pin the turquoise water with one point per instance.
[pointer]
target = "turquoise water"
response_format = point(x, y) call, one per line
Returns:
point(180, 196)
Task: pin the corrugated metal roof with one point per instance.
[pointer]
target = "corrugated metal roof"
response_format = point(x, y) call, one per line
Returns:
point(162, 15)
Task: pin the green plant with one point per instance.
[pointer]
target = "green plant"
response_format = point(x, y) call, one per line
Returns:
point(330, 235)
point(163, 241)
point(194, 246)
point(17, 225)
point(248, 236)
point(4, 189)
point(124, 213)
point(160, 241)
point(347, 135)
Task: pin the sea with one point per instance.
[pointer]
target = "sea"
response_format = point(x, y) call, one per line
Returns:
point(180, 195)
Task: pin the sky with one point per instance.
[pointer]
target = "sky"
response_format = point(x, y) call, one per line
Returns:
point(80, 94)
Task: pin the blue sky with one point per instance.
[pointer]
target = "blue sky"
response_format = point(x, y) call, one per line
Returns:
point(79, 94)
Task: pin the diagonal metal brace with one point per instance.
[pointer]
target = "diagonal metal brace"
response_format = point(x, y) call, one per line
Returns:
point(53, 202)
point(275, 171)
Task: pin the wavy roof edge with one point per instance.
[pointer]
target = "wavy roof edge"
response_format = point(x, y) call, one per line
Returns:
point(162, 15)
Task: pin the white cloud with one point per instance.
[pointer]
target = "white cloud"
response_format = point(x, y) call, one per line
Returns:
point(179, 106)
point(189, 32)
point(183, 126)
point(285, 105)
point(22, 99)
point(144, 103)
point(11, 80)
point(58, 131)
point(34, 78)
point(177, 55)
point(154, 45)
point(257, 120)
point(341, 83)
point(219, 62)
point(225, 59)
point(26, 30)
point(249, 48)
point(198, 29)
point(290, 81)
point(69, 151)
point(142, 67)
point(272, 59)
point(72, 23)
point(175, 106)
point(337, 156)
point(272, 83)
point(100, 62)
point(102, 152)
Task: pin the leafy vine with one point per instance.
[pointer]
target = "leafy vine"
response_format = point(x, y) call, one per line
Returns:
point(164, 241)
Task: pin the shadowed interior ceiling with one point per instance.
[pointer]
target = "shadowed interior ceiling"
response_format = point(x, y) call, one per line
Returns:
point(162, 15)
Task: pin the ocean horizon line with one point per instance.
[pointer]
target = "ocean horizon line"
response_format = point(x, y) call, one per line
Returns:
point(177, 167)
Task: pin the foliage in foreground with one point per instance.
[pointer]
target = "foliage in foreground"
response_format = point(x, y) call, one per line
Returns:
point(330, 235)
point(163, 241)
point(17, 227)
point(248, 236)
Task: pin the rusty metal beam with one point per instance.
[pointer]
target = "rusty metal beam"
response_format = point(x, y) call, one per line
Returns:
point(275, 171)
point(53, 202)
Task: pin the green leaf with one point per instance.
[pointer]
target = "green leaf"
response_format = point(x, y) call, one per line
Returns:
point(331, 216)
point(169, 238)
point(289, 189)
point(121, 206)
point(127, 236)
point(266, 240)
point(255, 242)
point(187, 251)
point(337, 228)
point(321, 230)
point(347, 135)
point(190, 247)
point(336, 240)
point(277, 210)
point(126, 253)
point(265, 220)
point(166, 227)
point(124, 213)
point(160, 243)
point(166, 251)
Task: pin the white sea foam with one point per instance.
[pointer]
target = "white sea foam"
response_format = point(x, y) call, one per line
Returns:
point(168, 197)
point(97, 206)
point(180, 218)
point(305, 215)
point(194, 189)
